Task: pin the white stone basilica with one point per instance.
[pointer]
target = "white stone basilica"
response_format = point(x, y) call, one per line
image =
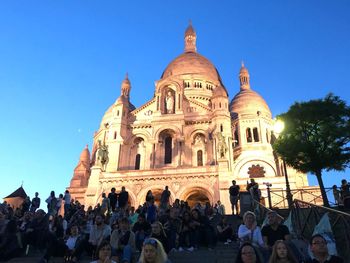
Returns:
point(189, 136)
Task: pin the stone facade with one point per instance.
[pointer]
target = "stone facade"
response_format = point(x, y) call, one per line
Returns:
point(188, 137)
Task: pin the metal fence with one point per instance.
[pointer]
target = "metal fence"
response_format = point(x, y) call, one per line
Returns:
point(311, 195)
point(305, 216)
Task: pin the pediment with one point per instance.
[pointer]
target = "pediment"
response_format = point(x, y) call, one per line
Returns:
point(194, 106)
point(146, 111)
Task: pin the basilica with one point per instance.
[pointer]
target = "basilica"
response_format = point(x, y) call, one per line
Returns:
point(190, 137)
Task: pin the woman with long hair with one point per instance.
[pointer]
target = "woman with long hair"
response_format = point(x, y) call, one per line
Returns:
point(104, 252)
point(153, 252)
point(159, 233)
point(248, 254)
point(281, 253)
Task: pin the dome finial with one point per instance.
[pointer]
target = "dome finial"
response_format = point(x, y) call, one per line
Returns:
point(190, 39)
point(244, 77)
point(126, 86)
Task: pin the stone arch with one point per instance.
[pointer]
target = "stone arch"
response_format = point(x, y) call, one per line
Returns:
point(171, 128)
point(137, 144)
point(141, 196)
point(106, 188)
point(132, 197)
point(163, 90)
point(145, 135)
point(194, 131)
point(202, 188)
point(246, 161)
point(169, 84)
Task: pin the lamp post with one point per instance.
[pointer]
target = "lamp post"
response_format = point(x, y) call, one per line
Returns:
point(278, 128)
point(268, 185)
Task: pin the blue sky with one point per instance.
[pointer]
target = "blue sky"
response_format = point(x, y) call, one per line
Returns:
point(62, 63)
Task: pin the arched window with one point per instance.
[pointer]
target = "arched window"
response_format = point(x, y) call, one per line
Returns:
point(200, 158)
point(249, 135)
point(137, 161)
point(221, 127)
point(236, 139)
point(256, 134)
point(115, 135)
point(167, 149)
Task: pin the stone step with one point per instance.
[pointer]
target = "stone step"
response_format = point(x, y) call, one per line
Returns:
point(221, 254)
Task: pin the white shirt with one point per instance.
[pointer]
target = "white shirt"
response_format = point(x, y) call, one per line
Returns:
point(67, 198)
point(245, 234)
point(71, 242)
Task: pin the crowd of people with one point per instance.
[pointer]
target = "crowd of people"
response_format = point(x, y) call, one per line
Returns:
point(115, 232)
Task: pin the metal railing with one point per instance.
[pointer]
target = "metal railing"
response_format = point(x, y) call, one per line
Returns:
point(305, 216)
point(262, 211)
point(309, 195)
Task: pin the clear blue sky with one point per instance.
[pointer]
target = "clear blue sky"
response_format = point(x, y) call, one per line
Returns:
point(62, 63)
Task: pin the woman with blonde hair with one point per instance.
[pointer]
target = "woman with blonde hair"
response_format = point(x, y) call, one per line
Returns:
point(281, 253)
point(153, 252)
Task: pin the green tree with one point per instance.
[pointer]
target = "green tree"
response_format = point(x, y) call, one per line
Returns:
point(316, 137)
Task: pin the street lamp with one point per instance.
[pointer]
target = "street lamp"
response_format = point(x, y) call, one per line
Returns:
point(278, 127)
point(268, 186)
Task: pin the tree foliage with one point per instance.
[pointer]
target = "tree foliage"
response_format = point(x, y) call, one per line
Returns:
point(316, 137)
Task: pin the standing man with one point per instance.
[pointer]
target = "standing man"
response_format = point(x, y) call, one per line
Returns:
point(234, 195)
point(123, 198)
point(35, 203)
point(113, 198)
point(67, 199)
point(164, 198)
point(253, 189)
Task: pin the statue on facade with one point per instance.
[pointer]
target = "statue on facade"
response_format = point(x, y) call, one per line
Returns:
point(169, 102)
point(102, 155)
point(222, 147)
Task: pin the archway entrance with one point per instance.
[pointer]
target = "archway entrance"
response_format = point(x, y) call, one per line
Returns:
point(195, 196)
point(157, 194)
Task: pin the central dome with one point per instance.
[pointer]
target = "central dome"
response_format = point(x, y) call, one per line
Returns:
point(191, 63)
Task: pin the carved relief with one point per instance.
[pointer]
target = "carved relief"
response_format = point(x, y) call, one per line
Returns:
point(256, 171)
point(176, 187)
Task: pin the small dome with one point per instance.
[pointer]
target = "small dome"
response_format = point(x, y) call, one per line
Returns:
point(191, 63)
point(249, 102)
point(243, 70)
point(85, 155)
point(121, 100)
point(220, 91)
point(126, 83)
